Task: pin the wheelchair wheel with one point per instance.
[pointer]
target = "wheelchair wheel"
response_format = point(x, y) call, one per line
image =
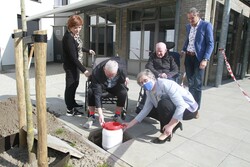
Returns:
point(123, 114)
point(86, 96)
point(124, 110)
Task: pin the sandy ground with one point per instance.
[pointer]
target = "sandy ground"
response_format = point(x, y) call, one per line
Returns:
point(18, 157)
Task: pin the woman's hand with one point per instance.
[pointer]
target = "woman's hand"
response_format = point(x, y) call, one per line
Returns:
point(167, 130)
point(92, 52)
point(87, 73)
point(129, 125)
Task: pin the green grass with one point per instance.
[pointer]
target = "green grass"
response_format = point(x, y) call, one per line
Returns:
point(59, 131)
point(103, 165)
point(72, 144)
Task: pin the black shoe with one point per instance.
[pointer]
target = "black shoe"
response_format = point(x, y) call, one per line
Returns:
point(179, 125)
point(117, 118)
point(78, 105)
point(159, 141)
point(74, 112)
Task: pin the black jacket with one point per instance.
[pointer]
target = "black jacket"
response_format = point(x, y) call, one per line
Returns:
point(166, 64)
point(99, 80)
point(70, 53)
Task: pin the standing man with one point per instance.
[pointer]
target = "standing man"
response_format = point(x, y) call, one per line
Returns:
point(198, 48)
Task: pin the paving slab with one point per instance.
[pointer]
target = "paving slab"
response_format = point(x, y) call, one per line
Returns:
point(219, 138)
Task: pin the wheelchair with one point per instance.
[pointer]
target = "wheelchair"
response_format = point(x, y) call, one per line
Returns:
point(106, 98)
point(177, 78)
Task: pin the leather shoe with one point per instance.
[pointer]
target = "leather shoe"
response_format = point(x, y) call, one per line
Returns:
point(159, 141)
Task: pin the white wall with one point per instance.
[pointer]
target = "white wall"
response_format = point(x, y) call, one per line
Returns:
point(8, 20)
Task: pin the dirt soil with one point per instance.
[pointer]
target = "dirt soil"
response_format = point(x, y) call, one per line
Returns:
point(19, 157)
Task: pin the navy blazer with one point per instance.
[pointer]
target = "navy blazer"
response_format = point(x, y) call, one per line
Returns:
point(204, 40)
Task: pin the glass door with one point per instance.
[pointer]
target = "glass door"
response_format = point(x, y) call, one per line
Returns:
point(148, 39)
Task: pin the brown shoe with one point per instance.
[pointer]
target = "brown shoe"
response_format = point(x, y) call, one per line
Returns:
point(197, 115)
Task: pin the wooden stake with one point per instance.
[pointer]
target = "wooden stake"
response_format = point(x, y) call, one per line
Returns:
point(40, 49)
point(20, 89)
point(30, 55)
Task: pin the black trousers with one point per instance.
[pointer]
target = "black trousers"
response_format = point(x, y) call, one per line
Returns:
point(72, 82)
point(165, 111)
point(120, 91)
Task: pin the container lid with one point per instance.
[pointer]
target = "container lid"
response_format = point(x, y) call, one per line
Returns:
point(112, 125)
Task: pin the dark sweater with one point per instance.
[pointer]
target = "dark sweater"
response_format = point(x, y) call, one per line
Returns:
point(166, 65)
point(70, 53)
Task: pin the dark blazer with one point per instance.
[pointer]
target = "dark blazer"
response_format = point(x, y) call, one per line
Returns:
point(166, 64)
point(70, 53)
point(99, 80)
point(204, 40)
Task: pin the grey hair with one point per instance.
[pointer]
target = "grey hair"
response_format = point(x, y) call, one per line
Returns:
point(147, 73)
point(194, 11)
point(161, 45)
point(111, 66)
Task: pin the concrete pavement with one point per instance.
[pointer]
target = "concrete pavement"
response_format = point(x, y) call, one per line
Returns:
point(219, 138)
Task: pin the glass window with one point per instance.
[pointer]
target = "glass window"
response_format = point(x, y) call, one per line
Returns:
point(92, 20)
point(135, 15)
point(101, 20)
point(148, 39)
point(101, 34)
point(149, 13)
point(167, 12)
point(111, 17)
point(135, 41)
point(166, 31)
point(110, 40)
point(93, 38)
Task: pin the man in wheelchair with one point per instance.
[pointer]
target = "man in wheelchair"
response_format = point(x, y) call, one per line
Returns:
point(162, 65)
point(111, 76)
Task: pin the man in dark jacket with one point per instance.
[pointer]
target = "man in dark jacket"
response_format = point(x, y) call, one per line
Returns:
point(111, 76)
point(161, 64)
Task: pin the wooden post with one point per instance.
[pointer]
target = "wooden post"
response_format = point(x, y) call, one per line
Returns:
point(29, 114)
point(40, 49)
point(30, 55)
point(20, 89)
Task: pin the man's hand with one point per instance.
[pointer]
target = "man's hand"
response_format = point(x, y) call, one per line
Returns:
point(203, 64)
point(101, 119)
point(183, 54)
point(163, 75)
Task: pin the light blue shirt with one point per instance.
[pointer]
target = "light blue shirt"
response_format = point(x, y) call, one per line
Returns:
point(165, 88)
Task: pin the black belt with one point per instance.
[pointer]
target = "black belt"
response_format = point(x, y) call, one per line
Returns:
point(190, 53)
